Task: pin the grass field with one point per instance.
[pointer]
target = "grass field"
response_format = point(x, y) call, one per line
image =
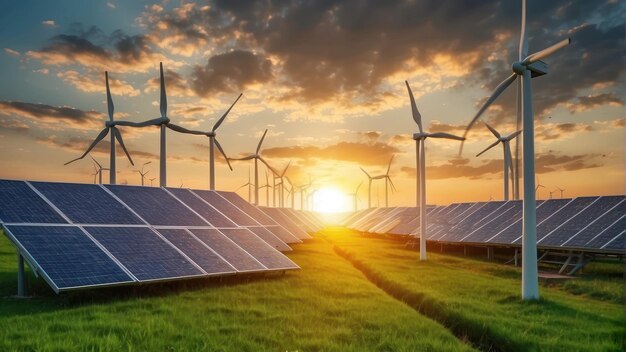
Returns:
point(352, 294)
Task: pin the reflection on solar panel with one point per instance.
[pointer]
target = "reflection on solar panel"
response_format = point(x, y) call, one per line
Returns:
point(146, 255)
point(66, 257)
point(20, 204)
point(286, 223)
point(86, 204)
point(248, 208)
point(301, 219)
point(156, 206)
point(225, 207)
point(197, 251)
point(229, 250)
point(209, 213)
point(283, 234)
point(261, 251)
point(270, 238)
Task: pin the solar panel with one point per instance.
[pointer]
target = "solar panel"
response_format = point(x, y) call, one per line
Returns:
point(485, 228)
point(229, 250)
point(86, 204)
point(570, 227)
point(298, 219)
point(597, 233)
point(283, 234)
point(465, 226)
point(286, 223)
point(20, 204)
point(609, 236)
point(200, 206)
point(544, 210)
point(617, 243)
point(146, 255)
point(156, 206)
point(308, 219)
point(225, 207)
point(270, 238)
point(67, 257)
point(211, 262)
point(261, 251)
point(248, 208)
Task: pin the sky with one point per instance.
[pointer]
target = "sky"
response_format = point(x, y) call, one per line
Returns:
point(326, 78)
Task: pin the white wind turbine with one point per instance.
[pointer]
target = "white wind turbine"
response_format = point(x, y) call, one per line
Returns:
point(95, 174)
point(99, 170)
point(355, 195)
point(560, 190)
point(249, 185)
point(267, 189)
point(388, 181)
point(508, 162)
point(142, 173)
point(281, 184)
point(526, 67)
point(420, 146)
point(256, 156)
point(115, 135)
point(369, 188)
point(152, 180)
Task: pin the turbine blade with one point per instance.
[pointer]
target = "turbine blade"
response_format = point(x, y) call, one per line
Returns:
point(513, 135)
point(389, 166)
point(417, 117)
point(393, 187)
point(493, 130)
point(489, 147)
point(368, 175)
point(445, 135)
point(110, 105)
point(540, 55)
point(249, 157)
point(499, 89)
point(219, 147)
point(268, 165)
point(258, 148)
point(357, 187)
point(163, 93)
point(219, 122)
point(118, 136)
point(153, 122)
point(285, 170)
point(100, 137)
point(180, 129)
point(95, 161)
point(523, 38)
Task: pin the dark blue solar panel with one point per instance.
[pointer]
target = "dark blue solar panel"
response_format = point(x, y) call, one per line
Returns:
point(197, 251)
point(19, 203)
point(562, 215)
point(86, 204)
point(468, 223)
point(248, 208)
point(270, 238)
point(617, 243)
point(593, 233)
point(201, 207)
point(609, 236)
point(575, 224)
point(514, 232)
point(283, 234)
point(69, 257)
point(156, 206)
point(229, 250)
point(235, 214)
point(144, 253)
point(264, 253)
point(495, 222)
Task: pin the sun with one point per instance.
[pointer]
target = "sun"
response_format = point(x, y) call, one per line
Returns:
point(330, 200)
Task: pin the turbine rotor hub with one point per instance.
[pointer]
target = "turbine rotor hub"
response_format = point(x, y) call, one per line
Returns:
point(518, 67)
point(109, 123)
point(211, 134)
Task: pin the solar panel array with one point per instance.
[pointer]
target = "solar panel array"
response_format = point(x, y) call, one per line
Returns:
point(81, 235)
point(594, 224)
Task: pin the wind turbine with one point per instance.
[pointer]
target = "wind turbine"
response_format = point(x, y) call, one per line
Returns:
point(249, 184)
point(109, 126)
point(369, 188)
point(267, 189)
point(354, 196)
point(95, 173)
point(508, 162)
point(387, 182)
point(151, 180)
point(281, 189)
point(99, 169)
point(526, 67)
point(256, 156)
point(539, 185)
point(142, 173)
point(420, 146)
point(560, 190)
point(292, 192)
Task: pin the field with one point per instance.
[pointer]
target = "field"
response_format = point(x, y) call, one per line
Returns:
point(352, 294)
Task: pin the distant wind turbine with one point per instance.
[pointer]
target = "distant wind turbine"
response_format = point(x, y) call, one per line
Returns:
point(560, 190)
point(152, 180)
point(256, 156)
point(142, 173)
point(99, 169)
point(388, 182)
point(420, 146)
point(115, 135)
point(526, 67)
point(267, 189)
point(369, 188)
point(355, 196)
point(281, 184)
point(249, 185)
point(508, 162)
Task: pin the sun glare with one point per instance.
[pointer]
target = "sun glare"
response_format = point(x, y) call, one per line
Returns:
point(330, 200)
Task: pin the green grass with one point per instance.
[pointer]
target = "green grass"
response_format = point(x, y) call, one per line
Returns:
point(482, 299)
point(599, 280)
point(327, 306)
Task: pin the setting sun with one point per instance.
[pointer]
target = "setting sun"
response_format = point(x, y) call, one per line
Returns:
point(330, 200)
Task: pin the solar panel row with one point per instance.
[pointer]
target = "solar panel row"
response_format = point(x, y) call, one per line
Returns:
point(79, 235)
point(584, 223)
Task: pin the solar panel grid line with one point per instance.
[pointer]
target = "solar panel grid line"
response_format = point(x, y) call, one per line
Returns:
point(365, 218)
point(613, 239)
point(488, 222)
point(270, 238)
point(541, 205)
point(123, 203)
point(265, 253)
point(389, 223)
point(605, 229)
point(471, 220)
point(302, 219)
point(365, 214)
point(383, 220)
point(287, 223)
point(549, 217)
point(459, 218)
point(188, 207)
point(248, 208)
point(222, 205)
point(568, 220)
point(214, 207)
point(19, 203)
point(211, 249)
point(243, 249)
point(513, 215)
point(179, 251)
point(233, 243)
point(295, 219)
point(594, 222)
point(54, 207)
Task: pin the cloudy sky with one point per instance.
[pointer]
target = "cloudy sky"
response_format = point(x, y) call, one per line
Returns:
point(325, 77)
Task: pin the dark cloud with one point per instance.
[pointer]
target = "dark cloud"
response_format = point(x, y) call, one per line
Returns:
point(63, 115)
point(362, 153)
point(231, 72)
point(592, 101)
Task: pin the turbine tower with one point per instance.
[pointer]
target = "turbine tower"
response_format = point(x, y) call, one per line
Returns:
point(281, 183)
point(256, 156)
point(526, 67)
point(560, 190)
point(142, 173)
point(388, 181)
point(508, 162)
point(420, 146)
point(249, 184)
point(267, 189)
point(109, 126)
point(354, 196)
point(369, 188)
point(98, 169)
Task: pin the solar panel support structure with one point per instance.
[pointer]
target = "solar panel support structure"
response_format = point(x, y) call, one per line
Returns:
point(21, 277)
